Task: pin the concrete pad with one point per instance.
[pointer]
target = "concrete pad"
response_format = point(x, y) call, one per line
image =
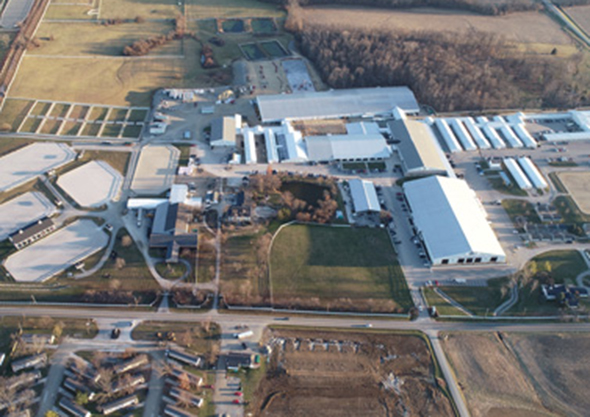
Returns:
point(93, 184)
point(57, 252)
point(29, 162)
point(156, 169)
point(23, 210)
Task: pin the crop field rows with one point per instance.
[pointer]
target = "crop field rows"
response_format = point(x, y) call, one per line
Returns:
point(82, 120)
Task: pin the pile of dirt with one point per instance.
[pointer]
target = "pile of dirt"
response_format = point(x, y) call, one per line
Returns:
point(319, 373)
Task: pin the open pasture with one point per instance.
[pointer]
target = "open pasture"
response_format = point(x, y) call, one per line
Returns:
point(578, 185)
point(526, 27)
point(330, 266)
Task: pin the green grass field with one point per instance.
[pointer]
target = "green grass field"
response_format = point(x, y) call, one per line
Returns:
point(520, 208)
point(90, 130)
point(70, 12)
point(131, 131)
point(569, 210)
point(13, 112)
point(111, 131)
point(148, 9)
point(105, 81)
point(565, 266)
point(442, 306)
point(479, 300)
point(80, 39)
point(332, 264)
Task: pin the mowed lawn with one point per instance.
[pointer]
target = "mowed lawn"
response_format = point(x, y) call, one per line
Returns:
point(205, 9)
point(332, 263)
point(148, 9)
point(73, 39)
point(105, 81)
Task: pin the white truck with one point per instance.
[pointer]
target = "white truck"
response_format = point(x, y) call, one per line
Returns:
point(244, 335)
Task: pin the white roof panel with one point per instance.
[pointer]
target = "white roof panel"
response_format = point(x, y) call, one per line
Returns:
point(533, 173)
point(347, 147)
point(517, 173)
point(336, 103)
point(451, 218)
point(364, 195)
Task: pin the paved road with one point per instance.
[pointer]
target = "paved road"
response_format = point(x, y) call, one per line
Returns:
point(449, 376)
point(259, 320)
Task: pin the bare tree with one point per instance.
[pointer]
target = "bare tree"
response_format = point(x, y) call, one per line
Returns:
point(184, 399)
point(186, 338)
point(105, 382)
point(184, 381)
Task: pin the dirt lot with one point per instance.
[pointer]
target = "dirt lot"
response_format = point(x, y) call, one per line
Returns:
point(521, 375)
point(321, 373)
point(578, 185)
point(581, 15)
point(527, 27)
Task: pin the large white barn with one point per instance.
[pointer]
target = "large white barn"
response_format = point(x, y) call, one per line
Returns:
point(452, 222)
point(334, 104)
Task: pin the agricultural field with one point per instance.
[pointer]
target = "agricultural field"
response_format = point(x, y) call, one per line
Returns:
point(526, 27)
point(521, 375)
point(345, 373)
point(578, 186)
point(337, 268)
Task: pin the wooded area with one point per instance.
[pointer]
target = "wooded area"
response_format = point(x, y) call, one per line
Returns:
point(487, 7)
point(445, 70)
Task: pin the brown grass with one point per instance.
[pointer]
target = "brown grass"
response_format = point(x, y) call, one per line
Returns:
point(560, 367)
point(314, 381)
point(578, 185)
point(580, 15)
point(514, 375)
point(527, 27)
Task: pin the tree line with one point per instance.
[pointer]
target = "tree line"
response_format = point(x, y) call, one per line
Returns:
point(448, 71)
point(492, 8)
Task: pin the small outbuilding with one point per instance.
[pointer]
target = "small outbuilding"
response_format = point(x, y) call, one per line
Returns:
point(364, 196)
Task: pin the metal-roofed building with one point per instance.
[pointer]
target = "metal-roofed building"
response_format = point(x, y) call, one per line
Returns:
point(518, 174)
point(32, 233)
point(452, 222)
point(347, 148)
point(224, 130)
point(419, 150)
point(364, 196)
point(171, 229)
point(333, 104)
